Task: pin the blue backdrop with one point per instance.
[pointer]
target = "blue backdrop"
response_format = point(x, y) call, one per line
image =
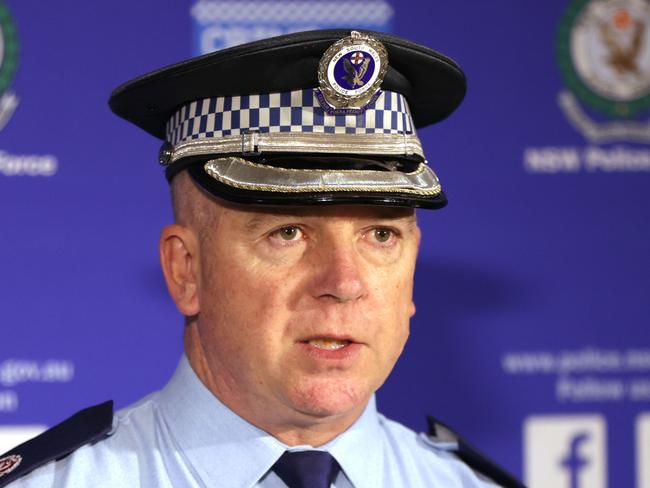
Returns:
point(532, 285)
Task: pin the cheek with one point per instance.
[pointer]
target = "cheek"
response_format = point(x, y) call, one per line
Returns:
point(393, 293)
point(392, 287)
point(251, 298)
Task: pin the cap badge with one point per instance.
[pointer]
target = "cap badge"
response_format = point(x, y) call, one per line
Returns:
point(9, 463)
point(350, 74)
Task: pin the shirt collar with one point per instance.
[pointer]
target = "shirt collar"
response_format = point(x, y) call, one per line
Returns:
point(215, 440)
point(359, 450)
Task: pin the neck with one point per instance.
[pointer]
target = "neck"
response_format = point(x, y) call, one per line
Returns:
point(289, 426)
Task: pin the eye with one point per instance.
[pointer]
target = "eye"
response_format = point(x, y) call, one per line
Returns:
point(289, 233)
point(382, 234)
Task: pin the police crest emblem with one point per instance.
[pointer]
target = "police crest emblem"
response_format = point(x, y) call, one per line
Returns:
point(603, 50)
point(350, 74)
point(9, 463)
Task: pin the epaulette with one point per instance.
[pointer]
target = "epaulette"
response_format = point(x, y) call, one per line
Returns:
point(85, 427)
point(472, 456)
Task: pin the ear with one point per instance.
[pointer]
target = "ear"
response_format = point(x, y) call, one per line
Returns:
point(179, 257)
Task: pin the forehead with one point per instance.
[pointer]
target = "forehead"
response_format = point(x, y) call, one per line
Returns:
point(254, 216)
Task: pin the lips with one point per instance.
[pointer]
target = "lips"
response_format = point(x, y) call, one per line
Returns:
point(328, 340)
point(328, 344)
point(330, 347)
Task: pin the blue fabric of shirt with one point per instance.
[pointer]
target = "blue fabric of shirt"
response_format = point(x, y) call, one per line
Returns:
point(183, 436)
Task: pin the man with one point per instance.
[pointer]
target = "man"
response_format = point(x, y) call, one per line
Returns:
point(295, 170)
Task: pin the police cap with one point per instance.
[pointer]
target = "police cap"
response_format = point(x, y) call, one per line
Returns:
point(317, 117)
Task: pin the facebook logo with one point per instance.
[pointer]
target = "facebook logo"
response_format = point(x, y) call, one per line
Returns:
point(565, 451)
point(574, 462)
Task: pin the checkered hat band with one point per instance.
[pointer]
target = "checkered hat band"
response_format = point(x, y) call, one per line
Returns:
point(296, 111)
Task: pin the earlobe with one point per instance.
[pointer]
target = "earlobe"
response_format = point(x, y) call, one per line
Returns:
point(179, 261)
point(412, 309)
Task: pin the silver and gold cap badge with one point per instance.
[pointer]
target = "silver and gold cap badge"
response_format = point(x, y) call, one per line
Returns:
point(350, 74)
point(330, 122)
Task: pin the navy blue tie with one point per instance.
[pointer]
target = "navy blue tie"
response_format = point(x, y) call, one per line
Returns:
point(307, 469)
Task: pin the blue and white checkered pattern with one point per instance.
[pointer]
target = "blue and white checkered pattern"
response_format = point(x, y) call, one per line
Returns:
point(296, 111)
point(322, 12)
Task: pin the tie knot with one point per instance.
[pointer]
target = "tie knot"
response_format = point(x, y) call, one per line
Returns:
point(307, 469)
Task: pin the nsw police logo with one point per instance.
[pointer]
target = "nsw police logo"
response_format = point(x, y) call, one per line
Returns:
point(350, 73)
point(9, 463)
point(8, 62)
point(604, 55)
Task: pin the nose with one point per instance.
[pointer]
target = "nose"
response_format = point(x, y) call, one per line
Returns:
point(338, 273)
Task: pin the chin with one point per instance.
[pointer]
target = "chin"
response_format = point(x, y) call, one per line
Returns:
point(330, 397)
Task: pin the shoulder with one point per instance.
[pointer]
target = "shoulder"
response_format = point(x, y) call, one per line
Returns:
point(85, 427)
point(443, 452)
point(89, 441)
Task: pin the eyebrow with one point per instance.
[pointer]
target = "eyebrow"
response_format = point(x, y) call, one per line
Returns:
point(258, 221)
point(385, 213)
point(253, 224)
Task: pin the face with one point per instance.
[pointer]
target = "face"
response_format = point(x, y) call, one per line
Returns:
point(305, 311)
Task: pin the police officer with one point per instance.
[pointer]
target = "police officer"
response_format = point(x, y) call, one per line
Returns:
point(295, 170)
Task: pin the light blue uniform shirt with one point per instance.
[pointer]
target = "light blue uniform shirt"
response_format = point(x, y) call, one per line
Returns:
point(183, 436)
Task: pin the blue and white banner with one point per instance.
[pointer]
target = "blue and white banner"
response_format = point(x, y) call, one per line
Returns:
point(220, 24)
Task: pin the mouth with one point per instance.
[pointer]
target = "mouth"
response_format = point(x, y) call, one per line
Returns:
point(328, 344)
point(331, 347)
